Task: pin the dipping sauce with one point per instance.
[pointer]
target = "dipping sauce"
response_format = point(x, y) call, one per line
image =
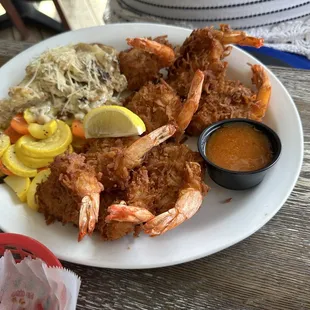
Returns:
point(239, 147)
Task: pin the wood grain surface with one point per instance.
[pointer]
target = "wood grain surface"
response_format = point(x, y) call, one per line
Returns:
point(269, 270)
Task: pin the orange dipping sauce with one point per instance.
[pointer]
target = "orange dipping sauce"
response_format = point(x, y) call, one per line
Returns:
point(239, 147)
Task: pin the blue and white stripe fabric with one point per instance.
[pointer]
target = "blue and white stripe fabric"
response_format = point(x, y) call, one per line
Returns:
point(284, 24)
point(241, 14)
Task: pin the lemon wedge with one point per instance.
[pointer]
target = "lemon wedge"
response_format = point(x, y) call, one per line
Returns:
point(112, 121)
point(4, 143)
point(11, 161)
point(50, 147)
point(42, 131)
point(31, 194)
point(19, 185)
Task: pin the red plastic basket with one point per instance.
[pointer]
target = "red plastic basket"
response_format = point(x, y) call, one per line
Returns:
point(22, 246)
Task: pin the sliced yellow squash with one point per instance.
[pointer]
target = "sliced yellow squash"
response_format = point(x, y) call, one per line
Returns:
point(19, 185)
point(34, 163)
point(29, 117)
point(31, 194)
point(50, 147)
point(31, 161)
point(11, 161)
point(43, 131)
point(22, 140)
point(28, 161)
point(4, 143)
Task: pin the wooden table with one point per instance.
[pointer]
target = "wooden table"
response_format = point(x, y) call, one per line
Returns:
point(269, 270)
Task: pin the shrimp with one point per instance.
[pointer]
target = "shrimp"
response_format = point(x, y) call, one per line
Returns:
point(164, 192)
point(71, 193)
point(158, 104)
point(230, 99)
point(205, 50)
point(89, 211)
point(228, 36)
point(261, 80)
point(165, 54)
point(123, 213)
point(126, 183)
point(134, 154)
point(144, 60)
point(192, 103)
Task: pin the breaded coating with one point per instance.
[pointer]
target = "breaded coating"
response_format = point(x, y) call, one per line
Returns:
point(141, 63)
point(156, 104)
point(60, 196)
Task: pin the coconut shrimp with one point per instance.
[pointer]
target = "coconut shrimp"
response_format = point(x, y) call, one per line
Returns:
point(144, 60)
point(205, 49)
point(117, 175)
point(71, 194)
point(171, 192)
point(231, 99)
point(159, 104)
point(115, 158)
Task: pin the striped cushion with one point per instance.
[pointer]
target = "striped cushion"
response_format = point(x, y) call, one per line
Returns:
point(199, 13)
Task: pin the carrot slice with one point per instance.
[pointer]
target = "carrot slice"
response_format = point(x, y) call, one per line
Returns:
point(19, 124)
point(78, 129)
point(4, 169)
point(14, 135)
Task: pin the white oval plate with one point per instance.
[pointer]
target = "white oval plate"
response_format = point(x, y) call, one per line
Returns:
point(217, 226)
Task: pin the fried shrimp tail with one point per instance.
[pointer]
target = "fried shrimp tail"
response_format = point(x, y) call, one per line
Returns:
point(131, 214)
point(239, 37)
point(261, 80)
point(251, 41)
point(88, 216)
point(134, 153)
point(191, 105)
point(164, 53)
point(188, 203)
